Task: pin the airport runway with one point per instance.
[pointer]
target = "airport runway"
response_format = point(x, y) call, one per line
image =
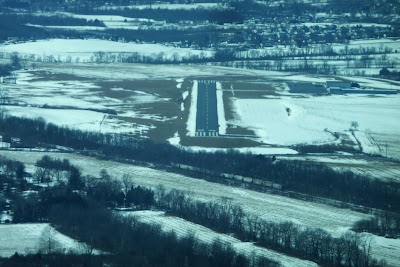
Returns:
point(207, 115)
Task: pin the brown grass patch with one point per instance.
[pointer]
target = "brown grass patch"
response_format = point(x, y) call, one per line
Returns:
point(117, 94)
point(162, 109)
point(230, 113)
point(240, 131)
point(250, 89)
point(218, 142)
point(41, 76)
point(163, 88)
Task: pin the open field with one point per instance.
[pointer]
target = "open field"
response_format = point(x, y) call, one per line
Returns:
point(287, 120)
point(70, 61)
point(30, 238)
point(147, 101)
point(83, 50)
point(267, 206)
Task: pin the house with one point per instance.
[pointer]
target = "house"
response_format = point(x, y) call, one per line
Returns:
point(15, 140)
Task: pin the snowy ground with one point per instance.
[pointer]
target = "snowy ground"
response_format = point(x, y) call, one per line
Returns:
point(191, 123)
point(221, 110)
point(169, 6)
point(183, 228)
point(79, 119)
point(268, 207)
point(84, 49)
point(288, 120)
point(27, 239)
point(267, 117)
point(83, 105)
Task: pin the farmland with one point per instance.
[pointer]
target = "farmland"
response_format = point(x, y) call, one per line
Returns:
point(31, 238)
point(146, 101)
point(174, 113)
point(269, 207)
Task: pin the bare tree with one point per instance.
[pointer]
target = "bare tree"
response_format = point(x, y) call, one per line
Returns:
point(127, 181)
point(86, 248)
point(48, 244)
point(4, 95)
point(160, 193)
point(366, 247)
point(354, 125)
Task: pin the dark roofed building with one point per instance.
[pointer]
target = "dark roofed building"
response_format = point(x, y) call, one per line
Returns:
point(307, 88)
point(338, 84)
point(9, 80)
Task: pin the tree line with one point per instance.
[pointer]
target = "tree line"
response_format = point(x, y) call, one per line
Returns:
point(219, 16)
point(310, 178)
point(386, 224)
point(317, 245)
point(52, 20)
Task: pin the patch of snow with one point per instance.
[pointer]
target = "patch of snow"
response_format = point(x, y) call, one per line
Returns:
point(169, 6)
point(84, 49)
point(175, 140)
point(385, 248)
point(79, 119)
point(185, 94)
point(368, 143)
point(221, 110)
point(289, 120)
point(191, 123)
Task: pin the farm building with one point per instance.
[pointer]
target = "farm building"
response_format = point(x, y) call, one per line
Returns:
point(338, 84)
point(9, 80)
point(339, 91)
point(307, 88)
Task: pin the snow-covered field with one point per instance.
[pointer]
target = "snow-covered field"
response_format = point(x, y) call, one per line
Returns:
point(28, 238)
point(85, 120)
point(268, 207)
point(191, 123)
point(114, 21)
point(287, 120)
point(183, 228)
point(169, 6)
point(268, 117)
point(83, 105)
point(221, 110)
point(84, 49)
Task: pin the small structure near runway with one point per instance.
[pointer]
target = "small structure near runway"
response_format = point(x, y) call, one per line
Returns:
point(306, 88)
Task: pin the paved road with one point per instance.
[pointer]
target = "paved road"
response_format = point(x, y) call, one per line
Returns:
point(207, 115)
